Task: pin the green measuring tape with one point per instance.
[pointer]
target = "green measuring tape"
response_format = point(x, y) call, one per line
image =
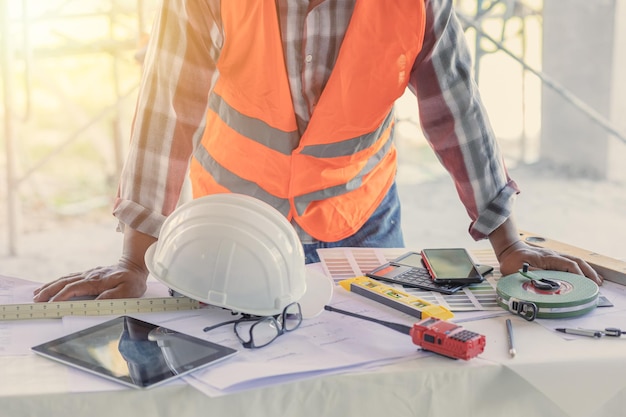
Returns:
point(574, 296)
point(58, 309)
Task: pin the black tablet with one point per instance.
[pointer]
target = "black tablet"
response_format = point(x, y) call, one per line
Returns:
point(134, 352)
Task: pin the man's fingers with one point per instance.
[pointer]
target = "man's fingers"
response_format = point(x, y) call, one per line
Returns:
point(69, 286)
point(546, 259)
point(586, 269)
point(77, 289)
point(58, 283)
point(571, 264)
point(46, 292)
point(116, 281)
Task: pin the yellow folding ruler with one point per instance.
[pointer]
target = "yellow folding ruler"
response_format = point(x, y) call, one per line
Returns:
point(57, 309)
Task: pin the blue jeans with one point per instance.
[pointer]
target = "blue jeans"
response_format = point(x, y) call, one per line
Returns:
point(382, 230)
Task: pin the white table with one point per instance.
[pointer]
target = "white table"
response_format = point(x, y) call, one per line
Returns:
point(432, 386)
point(550, 376)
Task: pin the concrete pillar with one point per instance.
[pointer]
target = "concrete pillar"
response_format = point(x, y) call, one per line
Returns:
point(578, 52)
point(617, 148)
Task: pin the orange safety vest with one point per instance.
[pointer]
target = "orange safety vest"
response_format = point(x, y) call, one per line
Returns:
point(332, 178)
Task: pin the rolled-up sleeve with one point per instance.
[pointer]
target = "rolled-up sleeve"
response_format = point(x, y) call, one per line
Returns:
point(456, 124)
point(177, 76)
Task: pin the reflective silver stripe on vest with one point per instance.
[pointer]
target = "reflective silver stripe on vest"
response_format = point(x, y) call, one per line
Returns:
point(254, 129)
point(286, 142)
point(236, 184)
point(349, 146)
point(303, 201)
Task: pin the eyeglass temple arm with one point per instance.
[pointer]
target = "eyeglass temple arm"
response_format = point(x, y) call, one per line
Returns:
point(395, 326)
point(215, 326)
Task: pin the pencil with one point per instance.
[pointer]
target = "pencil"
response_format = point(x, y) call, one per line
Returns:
point(509, 331)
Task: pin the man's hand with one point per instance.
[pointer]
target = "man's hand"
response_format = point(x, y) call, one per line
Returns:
point(512, 259)
point(126, 279)
point(512, 253)
point(116, 281)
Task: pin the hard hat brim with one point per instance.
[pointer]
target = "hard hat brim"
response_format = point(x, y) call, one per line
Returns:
point(319, 291)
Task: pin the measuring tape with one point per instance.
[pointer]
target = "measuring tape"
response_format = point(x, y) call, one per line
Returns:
point(576, 295)
point(395, 298)
point(58, 309)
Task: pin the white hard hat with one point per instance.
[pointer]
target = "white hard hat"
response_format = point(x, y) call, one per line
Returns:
point(237, 252)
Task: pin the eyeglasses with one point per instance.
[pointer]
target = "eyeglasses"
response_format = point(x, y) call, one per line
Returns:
point(257, 332)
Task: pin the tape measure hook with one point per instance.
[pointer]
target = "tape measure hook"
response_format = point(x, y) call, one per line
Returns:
point(525, 309)
point(537, 282)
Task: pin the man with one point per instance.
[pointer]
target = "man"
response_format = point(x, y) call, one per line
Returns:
point(291, 101)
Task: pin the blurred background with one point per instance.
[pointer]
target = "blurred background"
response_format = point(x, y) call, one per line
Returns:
point(550, 72)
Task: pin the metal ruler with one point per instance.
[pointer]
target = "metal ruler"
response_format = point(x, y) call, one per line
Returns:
point(58, 309)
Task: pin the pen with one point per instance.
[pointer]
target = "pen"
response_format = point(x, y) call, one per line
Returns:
point(613, 331)
point(509, 332)
point(581, 332)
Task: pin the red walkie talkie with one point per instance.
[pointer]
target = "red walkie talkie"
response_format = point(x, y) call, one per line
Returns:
point(447, 339)
point(435, 335)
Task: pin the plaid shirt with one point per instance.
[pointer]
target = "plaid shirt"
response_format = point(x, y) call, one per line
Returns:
point(180, 71)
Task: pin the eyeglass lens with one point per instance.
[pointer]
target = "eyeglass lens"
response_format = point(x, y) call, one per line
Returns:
point(256, 334)
point(291, 317)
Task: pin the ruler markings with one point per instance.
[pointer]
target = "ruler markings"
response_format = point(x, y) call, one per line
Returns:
point(57, 309)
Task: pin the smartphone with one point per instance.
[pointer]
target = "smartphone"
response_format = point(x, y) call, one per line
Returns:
point(415, 260)
point(450, 266)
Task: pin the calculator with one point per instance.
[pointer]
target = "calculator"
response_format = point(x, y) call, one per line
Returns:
point(408, 270)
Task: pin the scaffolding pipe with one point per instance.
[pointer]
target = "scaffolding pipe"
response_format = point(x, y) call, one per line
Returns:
point(575, 101)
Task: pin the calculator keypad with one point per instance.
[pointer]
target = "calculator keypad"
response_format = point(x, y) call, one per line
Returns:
point(419, 278)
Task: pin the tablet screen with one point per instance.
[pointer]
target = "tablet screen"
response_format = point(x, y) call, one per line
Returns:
point(133, 352)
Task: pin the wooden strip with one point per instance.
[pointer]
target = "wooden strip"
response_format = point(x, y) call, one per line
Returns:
point(611, 269)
